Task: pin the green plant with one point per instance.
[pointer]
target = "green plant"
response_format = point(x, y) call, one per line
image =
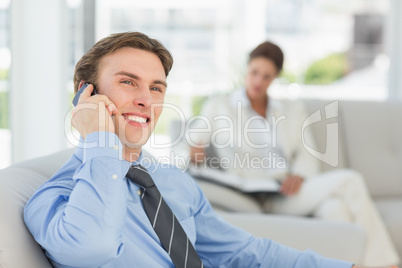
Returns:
point(327, 70)
point(4, 110)
point(198, 102)
point(3, 74)
point(288, 76)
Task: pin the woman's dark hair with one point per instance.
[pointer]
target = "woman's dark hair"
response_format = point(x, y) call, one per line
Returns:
point(269, 51)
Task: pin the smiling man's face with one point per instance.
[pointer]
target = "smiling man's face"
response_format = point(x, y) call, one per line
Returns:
point(135, 81)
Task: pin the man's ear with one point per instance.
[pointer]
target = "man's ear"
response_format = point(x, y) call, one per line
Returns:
point(81, 83)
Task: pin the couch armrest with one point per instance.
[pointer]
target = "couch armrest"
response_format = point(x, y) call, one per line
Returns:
point(17, 246)
point(342, 241)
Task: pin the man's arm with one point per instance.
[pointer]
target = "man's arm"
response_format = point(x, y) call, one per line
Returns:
point(78, 215)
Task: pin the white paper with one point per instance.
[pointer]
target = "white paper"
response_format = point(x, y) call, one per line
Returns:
point(242, 184)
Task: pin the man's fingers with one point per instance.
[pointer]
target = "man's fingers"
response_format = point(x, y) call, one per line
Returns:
point(86, 93)
point(112, 108)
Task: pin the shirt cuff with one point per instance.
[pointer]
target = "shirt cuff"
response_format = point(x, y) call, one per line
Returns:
point(102, 144)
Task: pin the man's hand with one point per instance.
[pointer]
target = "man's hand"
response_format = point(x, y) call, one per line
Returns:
point(291, 185)
point(93, 113)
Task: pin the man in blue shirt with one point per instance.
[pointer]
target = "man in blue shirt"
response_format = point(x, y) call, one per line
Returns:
point(90, 215)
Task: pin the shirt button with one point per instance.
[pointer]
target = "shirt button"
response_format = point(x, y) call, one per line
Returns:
point(114, 176)
point(139, 192)
point(116, 147)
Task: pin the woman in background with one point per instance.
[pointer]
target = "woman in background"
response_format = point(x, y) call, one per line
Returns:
point(262, 128)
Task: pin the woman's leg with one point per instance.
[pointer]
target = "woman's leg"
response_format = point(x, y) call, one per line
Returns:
point(342, 195)
point(333, 209)
point(313, 193)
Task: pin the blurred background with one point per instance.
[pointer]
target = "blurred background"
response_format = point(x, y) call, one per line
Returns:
point(334, 49)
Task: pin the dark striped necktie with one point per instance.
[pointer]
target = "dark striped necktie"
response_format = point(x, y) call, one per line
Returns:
point(164, 222)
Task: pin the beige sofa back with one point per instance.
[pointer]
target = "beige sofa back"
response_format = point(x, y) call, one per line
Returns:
point(370, 141)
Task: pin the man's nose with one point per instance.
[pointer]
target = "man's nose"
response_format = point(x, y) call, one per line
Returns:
point(143, 97)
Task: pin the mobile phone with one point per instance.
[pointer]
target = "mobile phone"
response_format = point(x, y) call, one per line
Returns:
point(79, 92)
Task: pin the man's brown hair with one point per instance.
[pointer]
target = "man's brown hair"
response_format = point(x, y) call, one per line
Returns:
point(269, 51)
point(87, 67)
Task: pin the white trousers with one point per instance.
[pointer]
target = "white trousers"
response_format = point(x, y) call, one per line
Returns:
point(342, 195)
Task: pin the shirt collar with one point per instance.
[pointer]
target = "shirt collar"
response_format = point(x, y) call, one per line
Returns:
point(240, 95)
point(79, 152)
point(140, 160)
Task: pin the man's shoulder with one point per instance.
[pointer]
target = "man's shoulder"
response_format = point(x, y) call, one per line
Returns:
point(66, 172)
point(61, 182)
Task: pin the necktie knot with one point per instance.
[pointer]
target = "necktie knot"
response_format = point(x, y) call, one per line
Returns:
point(139, 175)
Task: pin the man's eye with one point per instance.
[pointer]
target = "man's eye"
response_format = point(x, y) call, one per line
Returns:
point(156, 89)
point(127, 82)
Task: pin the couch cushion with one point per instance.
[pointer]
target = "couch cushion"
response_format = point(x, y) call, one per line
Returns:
point(330, 114)
point(374, 144)
point(325, 237)
point(369, 141)
point(391, 211)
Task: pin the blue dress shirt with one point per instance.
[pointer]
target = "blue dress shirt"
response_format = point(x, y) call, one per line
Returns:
point(90, 215)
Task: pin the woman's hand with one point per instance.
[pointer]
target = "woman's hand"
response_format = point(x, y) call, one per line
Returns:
point(197, 155)
point(291, 185)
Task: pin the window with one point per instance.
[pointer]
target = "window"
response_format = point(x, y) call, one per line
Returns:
point(333, 49)
point(5, 62)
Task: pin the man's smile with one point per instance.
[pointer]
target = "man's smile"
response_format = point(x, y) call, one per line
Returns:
point(137, 119)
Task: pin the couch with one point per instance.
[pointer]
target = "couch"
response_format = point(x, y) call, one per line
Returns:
point(368, 142)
